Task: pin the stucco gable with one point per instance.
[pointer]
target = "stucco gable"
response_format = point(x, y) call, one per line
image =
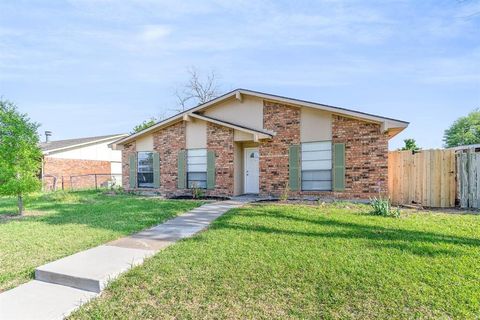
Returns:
point(242, 106)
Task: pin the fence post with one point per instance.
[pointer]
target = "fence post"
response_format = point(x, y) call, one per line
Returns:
point(96, 181)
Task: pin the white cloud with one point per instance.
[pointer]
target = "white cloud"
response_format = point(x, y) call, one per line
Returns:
point(152, 33)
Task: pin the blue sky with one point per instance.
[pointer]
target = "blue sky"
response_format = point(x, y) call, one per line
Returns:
point(92, 67)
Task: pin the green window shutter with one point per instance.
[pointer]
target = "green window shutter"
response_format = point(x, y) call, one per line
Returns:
point(294, 167)
point(182, 178)
point(339, 167)
point(156, 170)
point(133, 170)
point(210, 169)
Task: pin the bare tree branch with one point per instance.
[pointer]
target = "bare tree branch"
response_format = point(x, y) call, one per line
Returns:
point(197, 90)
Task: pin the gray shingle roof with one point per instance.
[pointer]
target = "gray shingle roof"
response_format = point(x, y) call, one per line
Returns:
point(61, 144)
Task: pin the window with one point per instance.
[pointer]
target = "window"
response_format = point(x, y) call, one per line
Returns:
point(197, 168)
point(317, 166)
point(145, 170)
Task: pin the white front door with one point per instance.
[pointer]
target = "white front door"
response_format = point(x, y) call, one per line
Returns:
point(251, 170)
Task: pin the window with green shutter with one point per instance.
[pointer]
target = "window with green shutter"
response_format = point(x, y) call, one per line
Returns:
point(145, 169)
point(156, 170)
point(294, 167)
point(339, 167)
point(210, 169)
point(132, 170)
point(181, 178)
point(197, 168)
point(317, 166)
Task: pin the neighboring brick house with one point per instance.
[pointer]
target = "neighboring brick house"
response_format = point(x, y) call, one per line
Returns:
point(80, 163)
point(252, 142)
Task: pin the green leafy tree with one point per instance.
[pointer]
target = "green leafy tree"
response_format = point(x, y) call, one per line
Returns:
point(20, 156)
point(410, 144)
point(464, 131)
point(144, 125)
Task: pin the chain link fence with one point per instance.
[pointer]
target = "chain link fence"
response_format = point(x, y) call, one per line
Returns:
point(83, 181)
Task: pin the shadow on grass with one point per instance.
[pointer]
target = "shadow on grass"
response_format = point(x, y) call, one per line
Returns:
point(417, 242)
point(124, 213)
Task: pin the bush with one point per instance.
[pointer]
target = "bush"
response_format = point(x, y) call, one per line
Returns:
point(382, 207)
point(284, 196)
point(197, 193)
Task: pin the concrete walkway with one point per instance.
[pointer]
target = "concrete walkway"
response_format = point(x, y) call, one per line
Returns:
point(62, 286)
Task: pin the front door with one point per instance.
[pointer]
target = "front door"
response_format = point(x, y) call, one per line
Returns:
point(251, 170)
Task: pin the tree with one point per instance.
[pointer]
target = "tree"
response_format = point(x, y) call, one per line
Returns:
point(198, 90)
point(20, 156)
point(144, 125)
point(410, 144)
point(464, 131)
point(149, 122)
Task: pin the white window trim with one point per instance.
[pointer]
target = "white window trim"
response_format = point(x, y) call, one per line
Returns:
point(317, 160)
point(206, 168)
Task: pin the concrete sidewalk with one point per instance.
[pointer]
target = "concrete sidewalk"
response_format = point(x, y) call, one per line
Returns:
point(63, 285)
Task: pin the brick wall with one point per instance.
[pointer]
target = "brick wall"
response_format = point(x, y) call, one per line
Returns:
point(366, 157)
point(285, 121)
point(168, 142)
point(220, 140)
point(56, 167)
point(128, 149)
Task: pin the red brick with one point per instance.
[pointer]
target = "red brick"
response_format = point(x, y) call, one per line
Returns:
point(78, 174)
point(220, 140)
point(366, 155)
point(285, 121)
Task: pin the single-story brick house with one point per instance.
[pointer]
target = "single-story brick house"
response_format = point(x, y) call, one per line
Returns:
point(80, 163)
point(251, 142)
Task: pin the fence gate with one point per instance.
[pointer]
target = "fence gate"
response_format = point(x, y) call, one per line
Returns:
point(426, 178)
point(468, 179)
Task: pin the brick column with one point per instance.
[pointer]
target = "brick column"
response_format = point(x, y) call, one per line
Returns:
point(168, 142)
point(220, 140)
point(285, 121)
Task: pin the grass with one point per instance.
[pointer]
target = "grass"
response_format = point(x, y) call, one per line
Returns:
point(327, 262)
point(59, 224)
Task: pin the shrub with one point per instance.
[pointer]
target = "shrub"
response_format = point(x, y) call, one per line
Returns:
point(382, 207)
point(197, 193)
point(284, 196)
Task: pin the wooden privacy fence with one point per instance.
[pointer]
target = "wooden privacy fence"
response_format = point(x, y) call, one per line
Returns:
point(425, 178)
point(468, 179)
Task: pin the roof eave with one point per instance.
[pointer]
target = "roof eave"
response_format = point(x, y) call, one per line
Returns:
point(174, 118)
point(238, 92)
point(260, 134)
point(48, 152)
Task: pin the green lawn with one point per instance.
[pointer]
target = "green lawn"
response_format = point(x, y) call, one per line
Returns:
point(59, 224)
point(330, 262)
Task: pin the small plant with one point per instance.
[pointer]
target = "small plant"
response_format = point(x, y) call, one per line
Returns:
point(197, 193)
point(382, 207)
point(284, 196)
